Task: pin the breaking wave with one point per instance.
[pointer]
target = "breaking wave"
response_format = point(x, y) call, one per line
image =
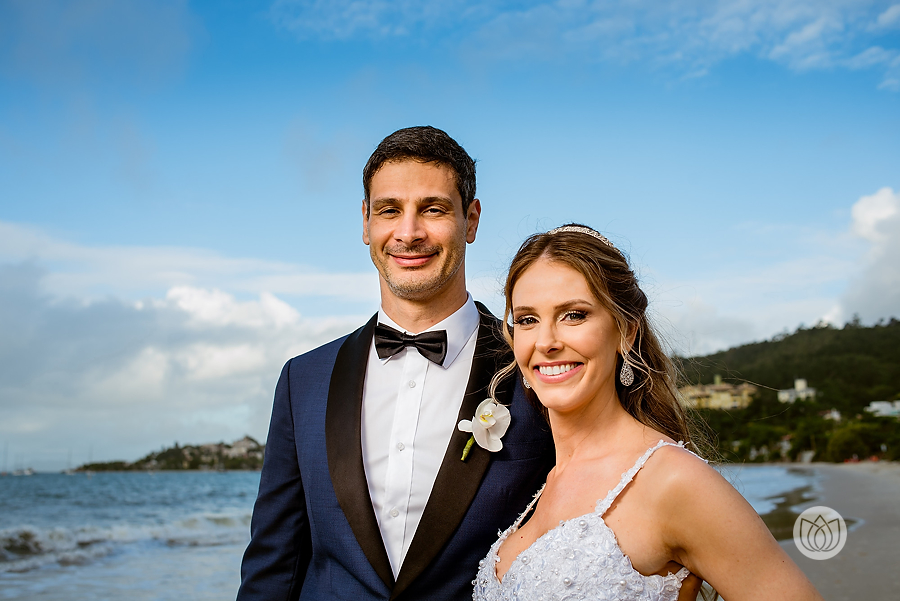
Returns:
point(27, 547)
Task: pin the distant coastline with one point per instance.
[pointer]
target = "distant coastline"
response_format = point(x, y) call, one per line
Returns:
point(244, 454)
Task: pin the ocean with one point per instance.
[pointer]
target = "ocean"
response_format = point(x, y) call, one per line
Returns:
point(180, 535)
point(127, 535)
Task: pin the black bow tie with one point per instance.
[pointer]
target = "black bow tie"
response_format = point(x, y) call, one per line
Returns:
point(431, 345)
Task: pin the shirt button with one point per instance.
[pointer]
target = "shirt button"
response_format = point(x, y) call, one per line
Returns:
point(394, 512)
point(400, 446)
point(412, 383)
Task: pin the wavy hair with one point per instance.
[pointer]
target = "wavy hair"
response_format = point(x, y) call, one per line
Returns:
point(652, 399)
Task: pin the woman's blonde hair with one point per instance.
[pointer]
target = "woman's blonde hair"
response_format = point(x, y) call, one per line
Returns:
point(652, 398)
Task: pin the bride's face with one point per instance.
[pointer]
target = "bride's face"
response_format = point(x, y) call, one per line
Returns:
point(564, 340)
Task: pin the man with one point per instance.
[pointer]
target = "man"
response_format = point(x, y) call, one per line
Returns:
point(364, 493)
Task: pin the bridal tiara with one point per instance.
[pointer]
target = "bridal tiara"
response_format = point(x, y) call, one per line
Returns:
point(585, 230)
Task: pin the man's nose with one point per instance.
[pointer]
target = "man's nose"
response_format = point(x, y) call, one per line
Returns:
point(410, 229)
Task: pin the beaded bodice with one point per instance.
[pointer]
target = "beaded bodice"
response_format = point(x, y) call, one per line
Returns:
point(578, 560)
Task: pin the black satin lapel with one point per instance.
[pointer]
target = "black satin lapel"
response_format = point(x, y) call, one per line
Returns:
point(343, 422)
point(457, 482)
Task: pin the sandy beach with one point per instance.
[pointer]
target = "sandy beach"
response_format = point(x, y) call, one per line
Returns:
point(868, 567)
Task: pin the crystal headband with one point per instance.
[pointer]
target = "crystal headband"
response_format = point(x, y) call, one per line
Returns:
point(585, 230)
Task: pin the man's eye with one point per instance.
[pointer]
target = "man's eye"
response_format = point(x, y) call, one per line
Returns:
point(435, 211)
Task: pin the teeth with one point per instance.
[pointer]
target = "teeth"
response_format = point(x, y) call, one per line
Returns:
point(555, 370)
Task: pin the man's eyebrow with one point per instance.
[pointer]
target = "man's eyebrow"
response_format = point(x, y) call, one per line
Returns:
point(420, 202)
point(385, 201)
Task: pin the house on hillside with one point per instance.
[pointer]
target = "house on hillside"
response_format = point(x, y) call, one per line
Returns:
point(800, 391)
point(245, 447)
point(884, 408)
point(717, 395)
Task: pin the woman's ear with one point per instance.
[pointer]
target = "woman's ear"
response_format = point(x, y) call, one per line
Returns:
point(628, 338)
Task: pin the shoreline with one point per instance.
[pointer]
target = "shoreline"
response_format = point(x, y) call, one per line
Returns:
point(95, 472)
point(867, 495)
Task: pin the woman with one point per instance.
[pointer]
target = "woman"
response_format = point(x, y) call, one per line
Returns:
point(628, 512)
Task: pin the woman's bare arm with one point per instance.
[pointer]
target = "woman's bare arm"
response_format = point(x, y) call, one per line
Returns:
point(715, 533)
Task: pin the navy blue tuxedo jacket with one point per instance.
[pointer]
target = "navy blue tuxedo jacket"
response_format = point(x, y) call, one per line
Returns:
point(314, 534)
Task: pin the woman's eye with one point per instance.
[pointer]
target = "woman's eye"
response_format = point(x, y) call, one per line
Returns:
point(575, 316)
point(525, 320)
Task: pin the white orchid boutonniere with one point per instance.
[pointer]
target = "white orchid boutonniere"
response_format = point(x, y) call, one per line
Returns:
point(488, 426)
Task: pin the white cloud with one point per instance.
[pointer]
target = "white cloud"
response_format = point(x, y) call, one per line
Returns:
point(133, 271)
point(874, 292)
point(718, 310)
point(181, 344)
point(889, 18)
point(871, 213)
point(690, 35)
point(342, 19)
point(196, 365)
point(856, 271)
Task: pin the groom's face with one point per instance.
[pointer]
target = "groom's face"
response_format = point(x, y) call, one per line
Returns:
point(416, 229)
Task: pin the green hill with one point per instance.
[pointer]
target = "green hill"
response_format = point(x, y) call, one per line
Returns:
point(849, 368)
point(243, 454)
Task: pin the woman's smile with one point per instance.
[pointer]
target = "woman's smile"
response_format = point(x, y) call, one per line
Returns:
point(556, 372)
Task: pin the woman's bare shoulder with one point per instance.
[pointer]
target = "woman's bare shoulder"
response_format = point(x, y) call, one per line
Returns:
point(678, 473)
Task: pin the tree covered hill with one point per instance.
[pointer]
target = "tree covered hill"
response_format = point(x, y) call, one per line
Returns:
point(243, 454)
point(849, 367)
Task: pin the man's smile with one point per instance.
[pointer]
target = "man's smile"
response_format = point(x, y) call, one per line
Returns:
point(412, 259)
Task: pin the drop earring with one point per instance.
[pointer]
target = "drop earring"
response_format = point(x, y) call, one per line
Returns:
point(626, 375)
point(525, 383)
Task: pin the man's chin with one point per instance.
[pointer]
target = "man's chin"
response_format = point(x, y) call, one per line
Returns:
point(418, 291)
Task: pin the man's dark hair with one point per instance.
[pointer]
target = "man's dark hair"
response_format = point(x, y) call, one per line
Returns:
point(425, 144)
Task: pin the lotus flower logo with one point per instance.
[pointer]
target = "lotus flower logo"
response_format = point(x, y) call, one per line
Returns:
point(820, 533)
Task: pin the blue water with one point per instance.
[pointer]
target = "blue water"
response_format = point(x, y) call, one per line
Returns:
point(764, 485)
point(171, 535)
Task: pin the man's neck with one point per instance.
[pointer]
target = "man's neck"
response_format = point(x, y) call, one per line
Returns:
point(417, 316)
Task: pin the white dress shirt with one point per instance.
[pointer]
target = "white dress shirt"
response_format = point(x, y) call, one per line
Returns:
point(409, 412)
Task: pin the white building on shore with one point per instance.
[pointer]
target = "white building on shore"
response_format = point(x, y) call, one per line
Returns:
point(884, 408)
point(800, 391)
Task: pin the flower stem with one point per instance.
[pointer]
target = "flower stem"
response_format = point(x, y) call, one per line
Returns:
point(468, 447)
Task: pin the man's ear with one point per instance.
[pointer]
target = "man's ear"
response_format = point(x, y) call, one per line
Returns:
point(365, 216)
point(472, 219)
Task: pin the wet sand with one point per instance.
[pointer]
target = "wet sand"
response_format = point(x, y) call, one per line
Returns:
point(868, 567)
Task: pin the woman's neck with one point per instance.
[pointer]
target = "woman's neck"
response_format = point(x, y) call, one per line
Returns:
point(591, 433)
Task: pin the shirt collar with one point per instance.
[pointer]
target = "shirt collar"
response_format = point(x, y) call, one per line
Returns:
point(460, 327)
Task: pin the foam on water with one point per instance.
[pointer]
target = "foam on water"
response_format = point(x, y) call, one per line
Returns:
point(53, 519)
point(28, 547)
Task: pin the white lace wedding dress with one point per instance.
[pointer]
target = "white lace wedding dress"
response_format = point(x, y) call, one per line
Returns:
point(578, 560)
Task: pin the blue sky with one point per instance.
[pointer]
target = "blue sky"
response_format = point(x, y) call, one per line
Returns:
point(180, 181)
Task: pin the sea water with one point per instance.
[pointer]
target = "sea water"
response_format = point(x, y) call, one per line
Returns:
point(173, 535)
point(767, 486)
point(127, 535)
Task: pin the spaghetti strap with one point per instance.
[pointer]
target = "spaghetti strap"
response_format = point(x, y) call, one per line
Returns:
point(579, 560)
point(528, 509)
point(606, 502)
